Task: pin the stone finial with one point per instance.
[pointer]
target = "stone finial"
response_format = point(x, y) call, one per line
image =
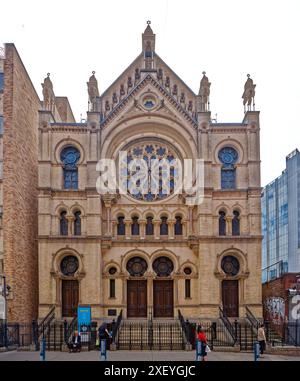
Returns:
point(249, 94)
point(48, 94)
point(148, 45)
point(204, 92)
point(93, 92)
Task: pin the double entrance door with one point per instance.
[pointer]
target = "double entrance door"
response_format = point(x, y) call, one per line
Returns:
point(230, 297)
point(163, 303)
point(70, 297)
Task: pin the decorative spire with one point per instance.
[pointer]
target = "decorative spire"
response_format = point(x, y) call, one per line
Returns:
point(48, 94)
point(249, 94)
point(204, 92)
point(93, 92)
point(148, 46)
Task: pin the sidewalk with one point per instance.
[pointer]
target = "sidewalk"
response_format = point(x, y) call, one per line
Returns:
point(139, 356)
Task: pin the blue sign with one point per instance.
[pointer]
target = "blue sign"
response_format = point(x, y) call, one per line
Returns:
point(84, 319)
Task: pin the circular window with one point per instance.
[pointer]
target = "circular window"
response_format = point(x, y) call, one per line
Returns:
point(158, 168)
point(69, 265)
point(163, 266)
point(230, 265)
point(187, 270)
point(112, 270)
point(136, 266)
point(228, 156)
point(149, 102)
point(70, 156)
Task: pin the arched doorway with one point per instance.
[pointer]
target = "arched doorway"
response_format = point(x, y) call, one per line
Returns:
point(136, 288)
point(163, 296)
point(230, 287)
point(70, 287)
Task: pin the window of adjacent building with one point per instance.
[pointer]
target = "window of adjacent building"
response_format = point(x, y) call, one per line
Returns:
point(236, 223)
point(70, 157)
point(63, 223)
point(135, 227)
point(77, 223)
point(222, 223)
point(112, 288)
point(187, 288)
point(1, 81)
point(121, 225)
point(1, 125)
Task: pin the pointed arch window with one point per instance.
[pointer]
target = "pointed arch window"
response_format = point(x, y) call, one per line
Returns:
point(222, 223)
point(236, 223)
point(63, 223)
point(178, 226)
point(70, 157)
point(135, 227)
point(149, 226)
point(164, 230)
point(121, 226)
point(77, 223)
point(228, 156)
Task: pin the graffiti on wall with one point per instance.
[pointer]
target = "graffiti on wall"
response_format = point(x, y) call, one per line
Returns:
point(275, 308)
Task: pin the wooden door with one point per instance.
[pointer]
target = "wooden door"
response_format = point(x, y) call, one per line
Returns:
point(163, 298)
point(230, 297)
point(136, 298)
point(70, 297)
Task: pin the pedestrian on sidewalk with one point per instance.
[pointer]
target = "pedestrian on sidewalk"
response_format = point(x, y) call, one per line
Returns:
point(261, 338)
point(203, 340)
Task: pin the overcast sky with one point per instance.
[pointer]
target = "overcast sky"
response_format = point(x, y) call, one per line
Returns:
point(227, 39)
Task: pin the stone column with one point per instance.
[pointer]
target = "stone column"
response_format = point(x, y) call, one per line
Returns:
point(176, 296)
point(171, 224)
point(70, 225)
point(128, 229)
point(228, 225)
point(190, 221)
point(142, 229)
point(156, 229)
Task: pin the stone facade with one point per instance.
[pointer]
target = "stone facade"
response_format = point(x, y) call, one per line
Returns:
point(149, 105)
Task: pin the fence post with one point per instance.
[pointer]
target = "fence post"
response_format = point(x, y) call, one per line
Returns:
point(18, 334)
point(65, 331)
point(256, 350)
point(267, 324)
point(103, 349)
point(43, 350)
point(296, 333)
point(198, 349)
point(236, 329)
point(35, 334)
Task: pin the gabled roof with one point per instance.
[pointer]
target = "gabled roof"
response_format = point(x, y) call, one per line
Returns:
point(143, 82)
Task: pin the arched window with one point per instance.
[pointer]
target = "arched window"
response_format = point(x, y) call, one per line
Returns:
point(135, 227)
point(121, 226)
point(228, 157)
point(149, 226)
point(63, 223)
point(178, 226)
point(164, 226)
point(69, 157)
point(77, 223)
point(222, 223)
point(236, 223)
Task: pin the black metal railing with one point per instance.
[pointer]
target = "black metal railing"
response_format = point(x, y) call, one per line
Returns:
point(15, 334)
point(189, 330)
point(44, 325)
point(283, 333)
point(254, 322)
point(230, 328)
point(151, 336)
point(116, 327)
point(70, 328)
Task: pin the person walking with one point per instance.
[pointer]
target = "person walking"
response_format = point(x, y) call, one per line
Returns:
point(103, 334)
point(261, 338)
point(203, 340)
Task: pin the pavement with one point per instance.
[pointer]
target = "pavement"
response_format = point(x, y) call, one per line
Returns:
point(139, 356)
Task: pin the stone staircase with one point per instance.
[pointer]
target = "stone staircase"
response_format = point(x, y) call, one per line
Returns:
point(147, 335)
point(54, 336)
